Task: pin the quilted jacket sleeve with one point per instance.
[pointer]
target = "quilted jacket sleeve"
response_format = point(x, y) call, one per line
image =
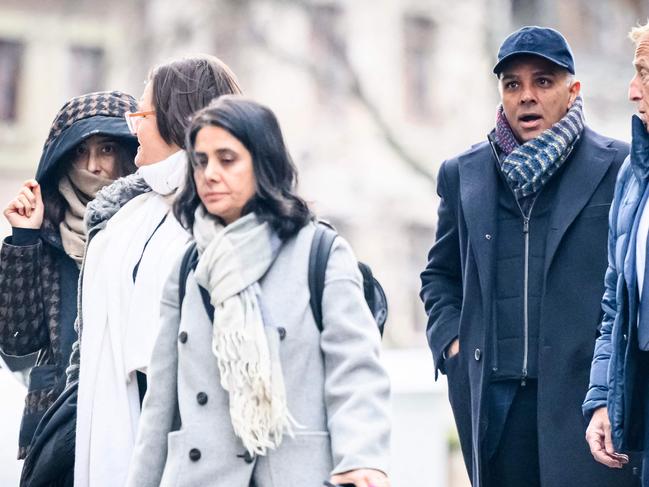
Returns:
point(22, 319)
point(598, 387)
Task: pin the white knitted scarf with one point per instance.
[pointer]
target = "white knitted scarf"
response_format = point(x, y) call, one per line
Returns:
point(232, 260)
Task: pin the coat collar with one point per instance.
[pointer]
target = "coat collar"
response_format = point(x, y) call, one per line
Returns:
point(584, 171)
point(639, 150)
point(110, 199)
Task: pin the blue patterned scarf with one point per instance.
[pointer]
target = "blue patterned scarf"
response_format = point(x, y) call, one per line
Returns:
point(529, 166)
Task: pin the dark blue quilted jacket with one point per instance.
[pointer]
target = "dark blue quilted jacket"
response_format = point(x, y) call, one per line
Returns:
point(614, 373)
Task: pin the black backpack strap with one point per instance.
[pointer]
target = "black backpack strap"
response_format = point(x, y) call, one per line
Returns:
point(323, 240)
point(207, 304)
point(139, 261)
point(187, 264)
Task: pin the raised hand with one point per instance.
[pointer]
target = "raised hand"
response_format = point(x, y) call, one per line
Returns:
point(26, 210)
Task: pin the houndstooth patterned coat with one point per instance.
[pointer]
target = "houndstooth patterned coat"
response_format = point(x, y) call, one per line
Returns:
point(36, 316)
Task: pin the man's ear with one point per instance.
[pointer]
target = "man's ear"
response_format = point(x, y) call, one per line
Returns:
point(575, 89)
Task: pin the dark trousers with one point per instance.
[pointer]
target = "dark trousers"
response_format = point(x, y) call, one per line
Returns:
point(514, 459)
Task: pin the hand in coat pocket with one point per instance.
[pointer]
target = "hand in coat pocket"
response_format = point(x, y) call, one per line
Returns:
point(453, 349)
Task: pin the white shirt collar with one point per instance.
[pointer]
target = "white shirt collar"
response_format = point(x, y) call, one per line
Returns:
point(166, 176)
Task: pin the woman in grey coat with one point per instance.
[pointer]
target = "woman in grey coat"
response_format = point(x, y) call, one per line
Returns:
point(243, 388)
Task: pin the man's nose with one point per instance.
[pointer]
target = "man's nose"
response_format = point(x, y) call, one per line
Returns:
point(635, 91)
point(527, 94)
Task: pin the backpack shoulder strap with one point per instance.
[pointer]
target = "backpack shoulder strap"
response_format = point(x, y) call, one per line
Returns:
point(323, 240)
point(190, 258)
point(189, 261)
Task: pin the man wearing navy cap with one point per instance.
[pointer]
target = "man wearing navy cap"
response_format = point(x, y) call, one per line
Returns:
point(513, 284)
point(617, 403)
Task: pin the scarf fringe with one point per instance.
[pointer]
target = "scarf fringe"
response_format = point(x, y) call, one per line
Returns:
point(258, 409)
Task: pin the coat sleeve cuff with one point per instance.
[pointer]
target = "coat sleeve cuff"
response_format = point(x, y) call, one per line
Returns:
point(22, 237)
point(590, 406)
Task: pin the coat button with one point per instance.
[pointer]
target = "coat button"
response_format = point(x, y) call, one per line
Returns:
point(182, 337)
point(477, 354)
point(247, 457)
point(488, 236)
point(201, 398)
point(282, 332)
point(194, 454)
point(624, 337)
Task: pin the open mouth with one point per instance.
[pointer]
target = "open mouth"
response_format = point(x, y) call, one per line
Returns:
point(530, 121)
point(530, 118)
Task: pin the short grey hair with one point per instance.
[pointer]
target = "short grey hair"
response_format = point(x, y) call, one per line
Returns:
point(638, 32)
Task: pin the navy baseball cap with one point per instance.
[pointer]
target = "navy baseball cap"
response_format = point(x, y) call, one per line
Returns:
point(536, 41)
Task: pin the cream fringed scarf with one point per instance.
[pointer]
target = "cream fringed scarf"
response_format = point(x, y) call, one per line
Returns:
point(78, 188)
point(232, 260)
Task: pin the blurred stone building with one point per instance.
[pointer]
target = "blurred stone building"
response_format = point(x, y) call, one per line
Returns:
point(372, 96)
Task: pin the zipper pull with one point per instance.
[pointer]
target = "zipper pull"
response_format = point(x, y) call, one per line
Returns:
point(524, 378)
point(526, 225)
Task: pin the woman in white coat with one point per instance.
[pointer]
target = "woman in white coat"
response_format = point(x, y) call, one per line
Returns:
point(244, 390)
point(132, 240)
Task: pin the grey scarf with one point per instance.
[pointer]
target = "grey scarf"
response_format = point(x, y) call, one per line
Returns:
point(232, 260)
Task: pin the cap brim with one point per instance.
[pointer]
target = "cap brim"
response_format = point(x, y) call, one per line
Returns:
point(498, 67)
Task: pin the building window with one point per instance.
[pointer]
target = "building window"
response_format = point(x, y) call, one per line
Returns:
point(86, 70)
point(418, 40)
point(328, 49)
point(11, 53)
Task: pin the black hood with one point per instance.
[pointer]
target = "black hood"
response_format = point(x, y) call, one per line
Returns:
point(83, 117)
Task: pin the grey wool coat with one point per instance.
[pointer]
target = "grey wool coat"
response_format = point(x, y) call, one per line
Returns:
point(335, 384)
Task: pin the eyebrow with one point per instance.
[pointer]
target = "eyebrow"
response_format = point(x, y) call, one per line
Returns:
point(217, 151)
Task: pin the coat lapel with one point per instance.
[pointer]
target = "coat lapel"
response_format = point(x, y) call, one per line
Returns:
point(478, 193)
point(581, 177)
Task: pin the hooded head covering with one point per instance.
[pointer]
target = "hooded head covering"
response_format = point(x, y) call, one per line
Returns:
point(100, 113)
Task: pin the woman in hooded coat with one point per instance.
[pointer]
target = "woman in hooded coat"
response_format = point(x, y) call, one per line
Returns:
point(89, 146)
